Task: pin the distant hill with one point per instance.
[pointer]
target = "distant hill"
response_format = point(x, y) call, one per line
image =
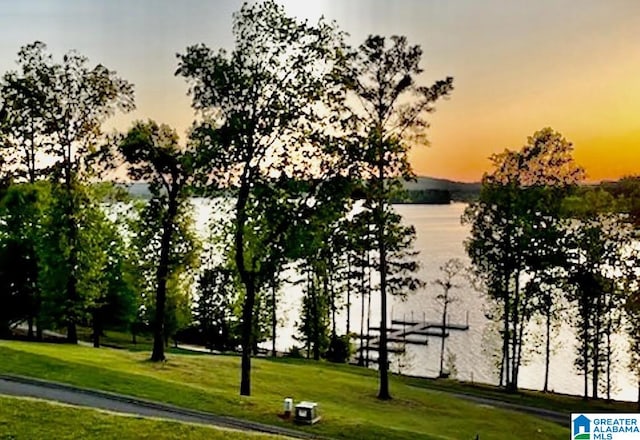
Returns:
point(424, 182)
point(459, 191)
point(437, 190)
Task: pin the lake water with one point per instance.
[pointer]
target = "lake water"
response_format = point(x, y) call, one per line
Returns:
point(440, 236)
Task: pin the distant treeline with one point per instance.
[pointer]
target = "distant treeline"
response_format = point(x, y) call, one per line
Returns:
point(431, 190)
point(611, 196)
point(424, 196)
point(622, 196)
point(438, 192)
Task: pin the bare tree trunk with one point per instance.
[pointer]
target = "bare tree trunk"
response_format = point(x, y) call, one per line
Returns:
point(247, 335)
point(274, 321)
point(501, 381)
point(383, 363)
point(368, 319)
point(31, 160)
point(348, 295)
point(363, 292)
point(585, 348)
point(609, 352)
point(309, 327)
point(610, 316)
point(72, 282)
point(333, 304)
point(444, 326)
point(547, 349)
point(248, 280)
point(523, 311)
point(316, 324)
point(159, 341)
point(507, 308)
point(595, 374)
point(507, 333)
point(513, 384)
point(31, 153)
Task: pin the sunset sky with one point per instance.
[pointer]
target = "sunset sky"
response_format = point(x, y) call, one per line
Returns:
point(519, 65)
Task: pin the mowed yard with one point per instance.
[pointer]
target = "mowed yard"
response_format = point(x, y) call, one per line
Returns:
point(345, 394)
point(24, 418)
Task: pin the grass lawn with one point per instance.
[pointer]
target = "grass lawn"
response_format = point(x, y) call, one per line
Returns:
point(34, 419)
point(346, 395)
point(552, 401)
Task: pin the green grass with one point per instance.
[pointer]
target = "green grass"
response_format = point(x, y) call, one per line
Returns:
point(34, 419)
point(346, 395)
point(563, 403)
point(123, 340)
point(117, 339)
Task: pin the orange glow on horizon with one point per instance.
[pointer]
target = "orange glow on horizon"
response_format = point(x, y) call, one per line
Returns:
point(533, 65)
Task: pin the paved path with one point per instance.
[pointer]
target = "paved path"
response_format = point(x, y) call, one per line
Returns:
point(23, 386)
point(118, 403)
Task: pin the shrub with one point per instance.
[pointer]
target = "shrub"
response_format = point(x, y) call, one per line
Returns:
point(295, 352)
point(339, 349)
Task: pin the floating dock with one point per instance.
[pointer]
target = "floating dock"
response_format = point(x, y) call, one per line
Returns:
point(405, 331)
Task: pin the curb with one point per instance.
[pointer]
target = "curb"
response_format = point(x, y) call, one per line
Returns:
point(213, 419)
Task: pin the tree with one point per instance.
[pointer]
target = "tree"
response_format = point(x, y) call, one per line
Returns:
point(313, 249)
point(601, 275)
point(627, 194)
point(362, 242)
point(214, 312)
point(451, 269)
point(152, 154)
point(392, 112)
point(490, 256)
point(513, 228)
point(54, 253)
point(320, 248)
point(632, 311)
point(15, 301)
point(546, 260)
point(262, 106)
point(595, 255)
point(590, 285)
point(402, 259)
point(62, 106)
point(631, 275)
point(23, 124)
point(115, 306)
point(21, 209)
point(314, 326)
point(547, 287)
point(272, 305)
